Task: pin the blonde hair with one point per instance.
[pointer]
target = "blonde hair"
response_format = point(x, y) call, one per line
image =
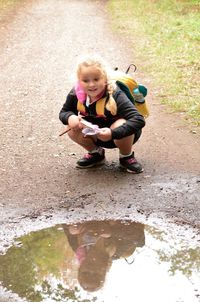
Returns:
point(99, 64)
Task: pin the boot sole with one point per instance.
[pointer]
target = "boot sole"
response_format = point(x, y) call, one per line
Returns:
point(130, 171)
point(100, 163)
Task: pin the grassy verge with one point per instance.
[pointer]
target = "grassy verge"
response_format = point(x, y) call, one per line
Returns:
point(165, 36)
point(7, 6)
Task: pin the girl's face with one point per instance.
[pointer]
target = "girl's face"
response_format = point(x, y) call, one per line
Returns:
point(92, 81)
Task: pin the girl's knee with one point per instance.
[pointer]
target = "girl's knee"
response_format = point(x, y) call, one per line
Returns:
point(75, 134)
point(118, 123)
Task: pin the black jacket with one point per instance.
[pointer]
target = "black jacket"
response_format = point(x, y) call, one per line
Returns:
point(125, 109)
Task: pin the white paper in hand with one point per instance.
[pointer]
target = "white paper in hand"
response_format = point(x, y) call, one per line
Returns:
point(90, 128)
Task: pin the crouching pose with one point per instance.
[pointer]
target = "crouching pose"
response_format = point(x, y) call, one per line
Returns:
point(98, 100)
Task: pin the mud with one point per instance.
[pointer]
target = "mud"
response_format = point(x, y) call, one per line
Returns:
point(39, 183)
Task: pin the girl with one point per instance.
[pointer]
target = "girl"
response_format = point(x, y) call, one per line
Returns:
point(120, 123)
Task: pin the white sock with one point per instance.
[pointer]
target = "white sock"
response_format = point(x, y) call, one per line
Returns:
point(124, 155)
point(97, 149)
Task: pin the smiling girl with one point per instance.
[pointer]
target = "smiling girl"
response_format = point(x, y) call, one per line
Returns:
point(99, 101)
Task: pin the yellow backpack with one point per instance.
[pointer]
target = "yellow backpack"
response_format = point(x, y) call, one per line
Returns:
point(134, 91)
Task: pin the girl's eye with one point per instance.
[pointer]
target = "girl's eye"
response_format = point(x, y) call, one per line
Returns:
point(96, 79)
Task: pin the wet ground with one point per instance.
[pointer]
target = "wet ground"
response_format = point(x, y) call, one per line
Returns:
point(108, 260)
point(40, 187)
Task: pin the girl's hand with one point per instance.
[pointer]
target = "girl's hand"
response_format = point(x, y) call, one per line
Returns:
point(105, 134)
point(74, 121)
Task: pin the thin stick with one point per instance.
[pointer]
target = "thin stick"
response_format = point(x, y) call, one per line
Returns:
point(65, 131)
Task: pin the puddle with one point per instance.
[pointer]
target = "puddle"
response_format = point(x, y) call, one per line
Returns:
point(102, 261)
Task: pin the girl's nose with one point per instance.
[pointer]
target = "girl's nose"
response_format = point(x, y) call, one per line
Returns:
point(91, 83)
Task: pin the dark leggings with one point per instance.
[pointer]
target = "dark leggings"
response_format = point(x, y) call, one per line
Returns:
point(111, 145)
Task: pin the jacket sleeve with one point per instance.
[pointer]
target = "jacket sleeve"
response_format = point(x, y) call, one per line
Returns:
point(126, 110)
point(69, 107)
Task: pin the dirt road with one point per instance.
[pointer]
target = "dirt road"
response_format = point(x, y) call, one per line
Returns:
point(39, 184)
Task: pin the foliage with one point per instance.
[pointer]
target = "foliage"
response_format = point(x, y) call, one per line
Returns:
point(37, 260)
point(165, 35)
point(181, 257)
point(8, 7)
point(6, 4)
point(185, 260)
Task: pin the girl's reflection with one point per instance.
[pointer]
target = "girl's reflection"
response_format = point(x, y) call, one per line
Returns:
point(97, 243)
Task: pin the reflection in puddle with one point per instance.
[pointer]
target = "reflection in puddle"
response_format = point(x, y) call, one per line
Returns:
point(102, 261)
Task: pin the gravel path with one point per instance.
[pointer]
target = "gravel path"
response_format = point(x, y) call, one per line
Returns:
point(38, 51)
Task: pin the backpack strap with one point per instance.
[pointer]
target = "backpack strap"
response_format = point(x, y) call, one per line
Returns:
point(81, 108)
point(100, 107)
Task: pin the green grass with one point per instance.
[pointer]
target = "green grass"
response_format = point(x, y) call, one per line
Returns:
point(7, 6)
point(165, 38)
